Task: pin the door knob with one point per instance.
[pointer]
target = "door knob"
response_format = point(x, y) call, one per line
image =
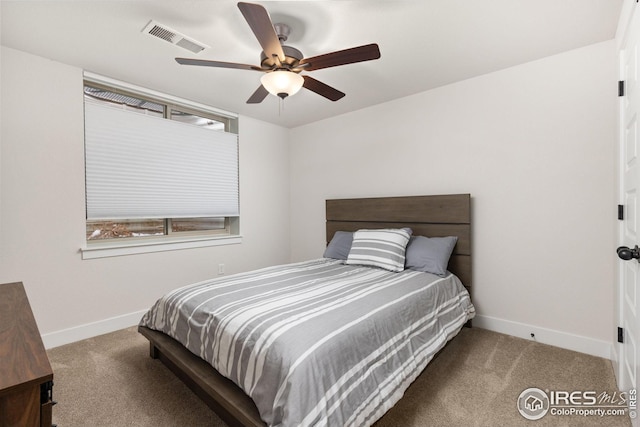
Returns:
point(626, 254)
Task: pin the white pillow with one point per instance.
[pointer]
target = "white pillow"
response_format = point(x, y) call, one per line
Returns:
point(384, 248)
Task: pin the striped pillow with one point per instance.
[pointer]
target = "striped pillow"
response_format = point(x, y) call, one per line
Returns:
point(384, 248)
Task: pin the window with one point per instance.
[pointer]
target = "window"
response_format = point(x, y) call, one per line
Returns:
point(157, 167)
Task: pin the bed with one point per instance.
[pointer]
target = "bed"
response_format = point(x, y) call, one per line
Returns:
point(339, 366)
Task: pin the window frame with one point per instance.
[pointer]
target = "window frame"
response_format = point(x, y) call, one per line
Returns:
point(170, 240)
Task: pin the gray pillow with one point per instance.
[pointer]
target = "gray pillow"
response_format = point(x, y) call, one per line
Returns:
point(430, 254)
point(339, 246)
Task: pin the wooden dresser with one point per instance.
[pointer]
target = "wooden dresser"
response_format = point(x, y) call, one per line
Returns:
point(26, 378)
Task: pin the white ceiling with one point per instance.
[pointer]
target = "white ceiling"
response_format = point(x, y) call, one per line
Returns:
point(424, 44)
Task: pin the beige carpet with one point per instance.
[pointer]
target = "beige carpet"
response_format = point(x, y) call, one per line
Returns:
point(111, 381)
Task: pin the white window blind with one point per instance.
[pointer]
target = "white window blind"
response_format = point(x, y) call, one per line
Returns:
point(140, 166)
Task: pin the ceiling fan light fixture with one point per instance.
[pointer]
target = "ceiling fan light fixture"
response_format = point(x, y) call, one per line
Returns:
point(282, 83)
point(282, 64)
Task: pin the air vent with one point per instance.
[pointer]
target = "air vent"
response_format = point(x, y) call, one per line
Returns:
point(163, 32)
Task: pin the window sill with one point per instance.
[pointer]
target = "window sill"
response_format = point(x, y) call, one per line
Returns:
point(111, 249)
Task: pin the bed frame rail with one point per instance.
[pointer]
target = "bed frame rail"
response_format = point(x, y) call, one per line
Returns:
point(226, 399)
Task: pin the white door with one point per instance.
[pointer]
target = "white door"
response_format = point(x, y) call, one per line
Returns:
point(629, 284)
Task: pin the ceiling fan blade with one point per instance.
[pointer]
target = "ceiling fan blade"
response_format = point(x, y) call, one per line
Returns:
point(258, 96)
point(258, 19)
point(322, 89)
point(341, 57)
point(219, 64)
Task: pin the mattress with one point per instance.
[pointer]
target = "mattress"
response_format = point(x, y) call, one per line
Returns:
point(317, 343)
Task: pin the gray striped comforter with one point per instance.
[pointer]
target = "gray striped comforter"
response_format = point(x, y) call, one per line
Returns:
point(318, 342)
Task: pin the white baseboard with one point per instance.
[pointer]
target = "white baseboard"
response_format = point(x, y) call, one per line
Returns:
point(89, 330)
point(552, 337)
point(543, 335)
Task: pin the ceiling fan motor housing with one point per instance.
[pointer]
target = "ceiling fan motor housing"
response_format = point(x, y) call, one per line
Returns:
point(292, 57)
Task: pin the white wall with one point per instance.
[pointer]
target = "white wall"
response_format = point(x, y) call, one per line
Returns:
point(534, 145)
point(42, 210)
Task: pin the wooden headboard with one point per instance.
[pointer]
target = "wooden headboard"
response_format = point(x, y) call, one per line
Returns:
point(431, 216)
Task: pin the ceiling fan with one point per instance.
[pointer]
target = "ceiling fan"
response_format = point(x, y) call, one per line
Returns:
point(283, 64)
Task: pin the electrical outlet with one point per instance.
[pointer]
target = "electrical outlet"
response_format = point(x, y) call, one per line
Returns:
point(220, 269)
